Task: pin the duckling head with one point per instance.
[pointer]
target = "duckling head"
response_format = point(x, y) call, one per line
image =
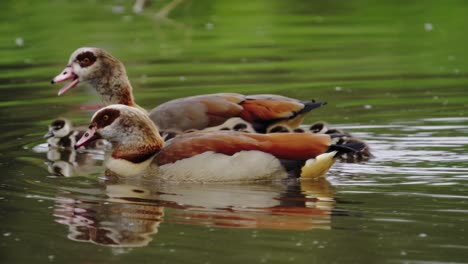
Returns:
point(59, 128)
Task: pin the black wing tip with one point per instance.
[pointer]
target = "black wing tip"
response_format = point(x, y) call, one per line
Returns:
point(310, 105)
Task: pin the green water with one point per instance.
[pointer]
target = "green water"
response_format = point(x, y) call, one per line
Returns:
point(394, 74)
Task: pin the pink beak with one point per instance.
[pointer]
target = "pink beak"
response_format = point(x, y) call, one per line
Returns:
point(65, 75)
point(88, 137)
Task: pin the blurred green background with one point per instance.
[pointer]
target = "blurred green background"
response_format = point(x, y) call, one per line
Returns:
point(371, 62)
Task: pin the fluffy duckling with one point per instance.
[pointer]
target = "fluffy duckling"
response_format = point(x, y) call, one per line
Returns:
point(344, 138)
point(62, 135)
point(232, 124)
point(108, 76)
point(222, 156)
point(340, 137)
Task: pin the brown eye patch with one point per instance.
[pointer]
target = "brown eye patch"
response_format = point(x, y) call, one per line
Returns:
point(86, 59)
point(106, 117)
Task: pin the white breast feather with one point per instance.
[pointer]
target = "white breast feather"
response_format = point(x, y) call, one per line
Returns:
point(126, 168)
point(216, 167)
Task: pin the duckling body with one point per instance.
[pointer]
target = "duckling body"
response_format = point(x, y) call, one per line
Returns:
point(62, 135)
point(340, 137)
point(108, 76)
point(222, 156)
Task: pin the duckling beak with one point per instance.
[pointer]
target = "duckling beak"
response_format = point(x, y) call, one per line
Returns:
point(49, 134)
point(88, 137)
point(65, 75)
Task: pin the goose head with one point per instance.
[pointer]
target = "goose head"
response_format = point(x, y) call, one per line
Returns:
point(129, 129)
point(101, 70)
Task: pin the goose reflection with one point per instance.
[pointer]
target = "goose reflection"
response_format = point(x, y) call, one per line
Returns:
point(129, 214)
point(115, 222)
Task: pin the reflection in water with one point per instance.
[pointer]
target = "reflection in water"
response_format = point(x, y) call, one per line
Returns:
point(131, 213)
point(67, 162)
point(118, 223)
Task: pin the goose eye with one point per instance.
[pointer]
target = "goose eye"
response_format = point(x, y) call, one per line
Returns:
point(105, 117)
point(86, 59)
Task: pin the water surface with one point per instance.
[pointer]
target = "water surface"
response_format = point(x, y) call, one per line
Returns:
point(393, 74)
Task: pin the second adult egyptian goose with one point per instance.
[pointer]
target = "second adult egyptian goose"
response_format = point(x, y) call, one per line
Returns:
point(108, 76)
point(222, 156)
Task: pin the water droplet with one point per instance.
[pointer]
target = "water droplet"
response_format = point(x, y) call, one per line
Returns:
point(182, 78)
point(428, 27)
point(209, 26)
point(118, 9)
point(367, 106)
point(19, 42)
point(338, 88)
point(423, 235)
point(7, 234)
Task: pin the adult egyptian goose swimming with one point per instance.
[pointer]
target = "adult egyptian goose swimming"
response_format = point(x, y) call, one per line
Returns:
point(109, 77)
point(139, 150)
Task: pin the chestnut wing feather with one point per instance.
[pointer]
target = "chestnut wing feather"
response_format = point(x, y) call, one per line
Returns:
point(291, 146)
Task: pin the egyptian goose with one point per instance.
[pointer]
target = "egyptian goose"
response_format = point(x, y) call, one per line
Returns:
point(108, 76)
point(139, 150)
